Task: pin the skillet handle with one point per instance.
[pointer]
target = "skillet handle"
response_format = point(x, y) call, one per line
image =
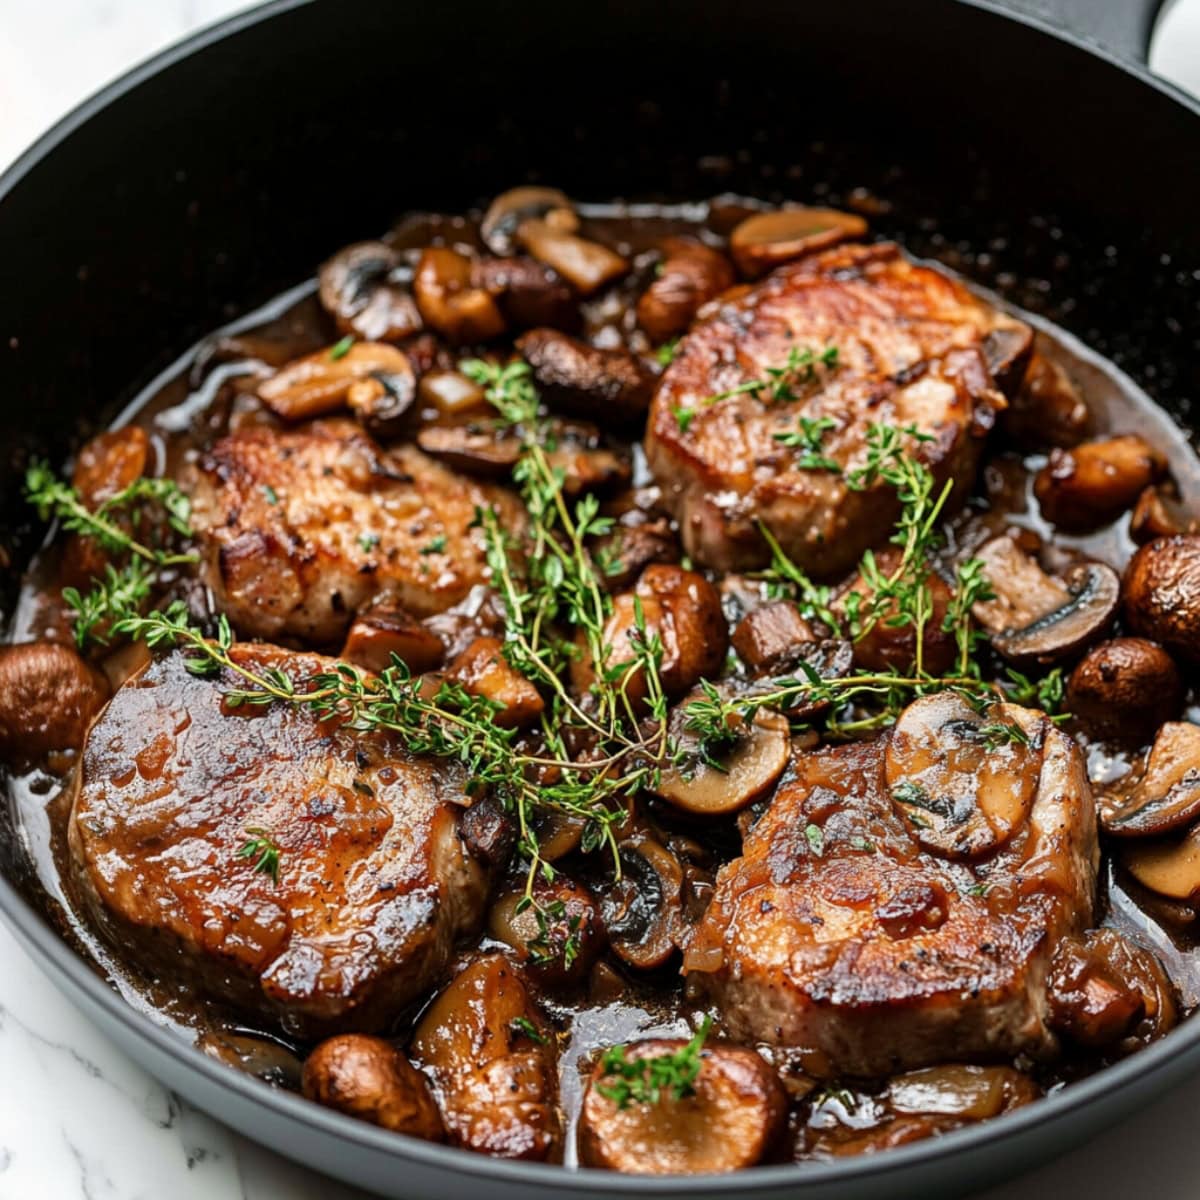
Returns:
point(1122, 26)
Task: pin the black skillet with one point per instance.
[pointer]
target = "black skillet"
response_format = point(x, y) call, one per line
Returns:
point(1051, 168)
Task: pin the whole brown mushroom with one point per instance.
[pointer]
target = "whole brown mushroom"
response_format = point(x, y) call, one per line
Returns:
point(727, 1120)
point(368, 1078)
point(1125, 688)
point(1162, 594)
point(1090, 484)
point(48, 697)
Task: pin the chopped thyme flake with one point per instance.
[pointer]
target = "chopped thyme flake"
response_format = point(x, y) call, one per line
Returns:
point(436, 546)
point(263, 849)
point(342, 348)
point(368, 541)
point(815, 839)
point(683, 417)
point(271, 494)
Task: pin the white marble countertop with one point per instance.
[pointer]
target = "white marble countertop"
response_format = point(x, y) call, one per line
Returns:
point(78, 1120)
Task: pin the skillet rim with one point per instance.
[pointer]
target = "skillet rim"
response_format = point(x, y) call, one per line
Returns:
point(38, 938)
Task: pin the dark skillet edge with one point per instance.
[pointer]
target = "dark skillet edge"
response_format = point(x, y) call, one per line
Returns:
point(1062, 1118)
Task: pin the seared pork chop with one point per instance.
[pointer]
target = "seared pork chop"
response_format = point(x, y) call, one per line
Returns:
point(374, 881)
point(899, 902)
point(302, 527)
point(913, 347)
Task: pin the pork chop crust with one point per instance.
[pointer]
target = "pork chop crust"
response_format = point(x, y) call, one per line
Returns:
point(913, 348)
point(374, 881)
point(302, 527)
point(837, 935)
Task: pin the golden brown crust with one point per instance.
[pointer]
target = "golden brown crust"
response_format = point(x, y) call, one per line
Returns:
point(302, 527)
point(374, 881)
point(912, 348)
point(871, 954)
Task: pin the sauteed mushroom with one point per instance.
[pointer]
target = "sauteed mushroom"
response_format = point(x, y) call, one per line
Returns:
point(586, 266)
point(1125, 688)
point(320, 383)
point(691, 274)
point(357, 288)
point(768, 239)
point(451, 393)
point(451, 302)
point(643, 911)
point(1162, 594)
point(368, 1078)
point(768, 634)
point(733, 778)
point(558, 936)
point(574, 377)
point(1047, 409)
point(492, 1061)
point(508, 210)
point(730, 1118)
point(1090, 484)
point(384, 631)
point(48, 697)
point(1158, 513)
point(1107, 991)
point(484, 671)
point(964, 781)
point(1167, 796)
point(528, 292)
point(1094, 591)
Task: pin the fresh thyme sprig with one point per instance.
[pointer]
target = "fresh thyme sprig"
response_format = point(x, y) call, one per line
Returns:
point(647, 1080)
point(261, 847)
point(125, 588)
point(779, 383)
point(808, 438)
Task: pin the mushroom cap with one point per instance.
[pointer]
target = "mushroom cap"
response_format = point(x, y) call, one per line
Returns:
point(766, 239)
point(1125, 688)
point(1162, 593)
point(1167, 796)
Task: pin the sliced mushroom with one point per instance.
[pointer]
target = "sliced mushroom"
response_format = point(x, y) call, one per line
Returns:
point(449, 300)
point(529, 293)
point(485, 448)
point(623, 554)
point(767, 239)
point(1167, 796)
point(587, 266)
point(383, 409)
point(384, 631)
point(1092, 483)
point(368, 1078)
point(320, 383)
point(1162, 594)
point(483, 671)
point(684, 611)
point(1023, 592)
point(691, 274)
point(450, 393)
point(508, 210)
point(964, 781)
point(357, 288)
point(48, 697)
point(1095, 591)
point(730, 1119)
point(110, 463)
point(728, 780)
point(1170, 866)
point(491, 1057)
point(1158, 513)
point(1047, 409)
point(1106, 991)
point(574, 377)
point(490, 449)
point(262, 1057)
point(643, 910)
point(558, 950)
point(1124, 689)
point(765, 636)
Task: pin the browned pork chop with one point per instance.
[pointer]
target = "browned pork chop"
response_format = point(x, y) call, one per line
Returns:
point(880, 919)
point(913, 348)
point(303, 526)
point(374, 881)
